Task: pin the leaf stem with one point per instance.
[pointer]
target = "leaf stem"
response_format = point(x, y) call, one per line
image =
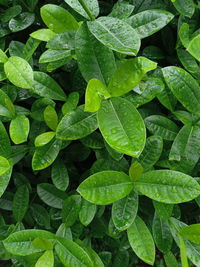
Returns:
point(86, 9)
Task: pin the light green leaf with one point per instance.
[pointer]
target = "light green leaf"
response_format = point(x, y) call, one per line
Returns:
point(188, 61)
point(168, 186)
point(20, 203)
point(19, 72)
point(191, 232)
point(43, 35)
point(128, 74)
point(29, 48)
point(44, 138)
point(193, 47)
point(183, 254)
point(46, 86)
point(71, 103)
point(44, 156)
point(162, 234)
point(122, 126)
point(47, 259)
point(51, 117)
point(87, 212)
point(20, 243)
point(50, 195)
point(95, 93)
point(70, 210)
point(105, 187)
point(7, 108)
point(141, 241)
point(161, 126)
point(184, 34)
point(54, 55)
point(77, 124)
point(59, 175)
point(94, 59)
point(71, 254)
point(135, 170)
point(87, 8)
point(58, 19)
point(4, 181)
point(124, 211)
point(3, 57)
point(19, 129)
point(4, 165)
point(149, 21)
point(151, 153)
point(116, 34)
point(185, 88)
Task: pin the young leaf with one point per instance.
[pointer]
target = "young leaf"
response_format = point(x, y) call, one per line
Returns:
point(76, 125)
point(191, 232)
point(193, 47)
point(43, 35)
point(94, 59)
point(47, 259)
point(87, 212)
point(168, 186)
point(183, 254)
point(116, 35)
point(71, 103)
point(105, 187)
point(184, 87)
point(161, 126)
point(88, 9)
point(70, 210)
point(20, 203)
point(95, 92)
point(19, 72)
point(149, 21)
point(59, 175)
point(3, 57)
point(58, 19)
point(122, 126)
point(44, 138)
point(141, 241)
point(124, 211)
point(51, 117)
point(4, 165)
point(135, 170)
point(128, 74)
point(4, 180)
point(7, 108)
point(19, 129)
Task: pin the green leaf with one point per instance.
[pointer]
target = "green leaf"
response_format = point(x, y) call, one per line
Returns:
point(124, 211)
point(5, 146)
point(4, 181)
point(44, 156)
point(19, 129)
point(95, 92)
point(58, 19)
point(72, 254)
point(77, 124)
point(161, 126)
point(184, 34)
point(20, 203)
point(47, 259)
point(135, 170)
point(122, 10)
point(21, 22)
point(161, 234)
point(184, 87)
point(50, 195)
point(19, 72)
point(168, 186)
point(148, 22)
point(163, 210)
point(70, 210)
point(11, 13)
point(43, 35)
point(88, 9)
point(30, 48)
point(7, 108)
point(141, 241)
point(54, 55)
point(151, 153)
point(128, 74)
point(183, 254)
point(71, 103)
point(46, 86)
point(40, 215)
point(191, 232)
point(44, 138)
point(185, 7)
point(122, 126)
point(59, 175)
point(193, 47)
point(188, 62)
point(87, 212)
point(105, 187)
point(170, 260)
point(94, 59)
point(4, 165)
point(3, 57)
point(116, 34)
point(51, 117)
point(20, 243)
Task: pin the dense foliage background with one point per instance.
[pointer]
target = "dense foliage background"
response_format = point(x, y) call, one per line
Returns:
point(99, 133)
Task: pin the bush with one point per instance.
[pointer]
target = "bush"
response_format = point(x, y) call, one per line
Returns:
point(99, 133)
